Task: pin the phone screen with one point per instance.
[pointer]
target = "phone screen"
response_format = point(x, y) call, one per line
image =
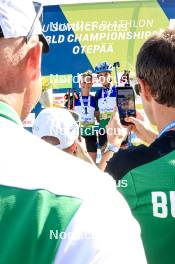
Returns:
point(125, 103)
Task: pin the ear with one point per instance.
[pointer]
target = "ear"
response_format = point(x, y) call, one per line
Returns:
point(34, 61)
point(144, 89)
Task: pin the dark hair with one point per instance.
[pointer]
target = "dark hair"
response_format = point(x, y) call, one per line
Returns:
point(156, 65)
point(137, 88)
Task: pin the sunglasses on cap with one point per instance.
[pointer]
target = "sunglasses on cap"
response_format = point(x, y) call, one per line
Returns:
point(39, 15)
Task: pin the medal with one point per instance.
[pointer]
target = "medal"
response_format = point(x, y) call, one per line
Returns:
point(86, 111)
point(85, 123)
point(85, 108)
point(104, 115)
point(87, 115)
point(108, 92)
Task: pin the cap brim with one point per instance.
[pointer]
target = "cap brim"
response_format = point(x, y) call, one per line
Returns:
point(45, 43)
point(41, 38)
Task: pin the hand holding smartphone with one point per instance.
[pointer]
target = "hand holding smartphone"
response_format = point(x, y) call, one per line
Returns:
point(125, 100)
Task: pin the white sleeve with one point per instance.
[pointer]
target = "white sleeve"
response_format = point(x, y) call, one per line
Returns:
point(102, 232)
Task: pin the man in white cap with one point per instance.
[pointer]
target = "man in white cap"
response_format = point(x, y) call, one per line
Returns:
point(53, 207)
point(57, 127)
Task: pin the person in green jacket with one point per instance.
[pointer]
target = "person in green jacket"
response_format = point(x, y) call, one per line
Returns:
point(150, 170)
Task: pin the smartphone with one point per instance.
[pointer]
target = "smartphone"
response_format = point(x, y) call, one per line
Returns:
point(126, 103)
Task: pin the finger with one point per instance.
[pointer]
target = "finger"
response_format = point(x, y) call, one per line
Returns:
point(132, 127)
point(108, 126)
point(128, 129)
point(132, 120)
point(139, 116)
point(126, 132)
point(115, 113)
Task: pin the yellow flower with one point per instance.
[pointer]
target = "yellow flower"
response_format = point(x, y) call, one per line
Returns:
point(45, 84)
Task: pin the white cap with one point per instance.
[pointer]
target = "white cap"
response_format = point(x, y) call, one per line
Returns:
point(17, 18)
point(59, 123)
point(171, 24)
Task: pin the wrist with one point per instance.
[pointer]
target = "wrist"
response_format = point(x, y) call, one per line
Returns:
point(111, 147)
point(151, 137)
point(116, 143)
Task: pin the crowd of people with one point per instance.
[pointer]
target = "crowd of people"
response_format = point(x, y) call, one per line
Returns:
point(56, 208)
point(91, 109)
point(95, 109)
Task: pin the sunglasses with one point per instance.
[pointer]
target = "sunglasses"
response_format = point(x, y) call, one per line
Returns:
point(39, 16)
point(39, 12)
point(76, 116)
